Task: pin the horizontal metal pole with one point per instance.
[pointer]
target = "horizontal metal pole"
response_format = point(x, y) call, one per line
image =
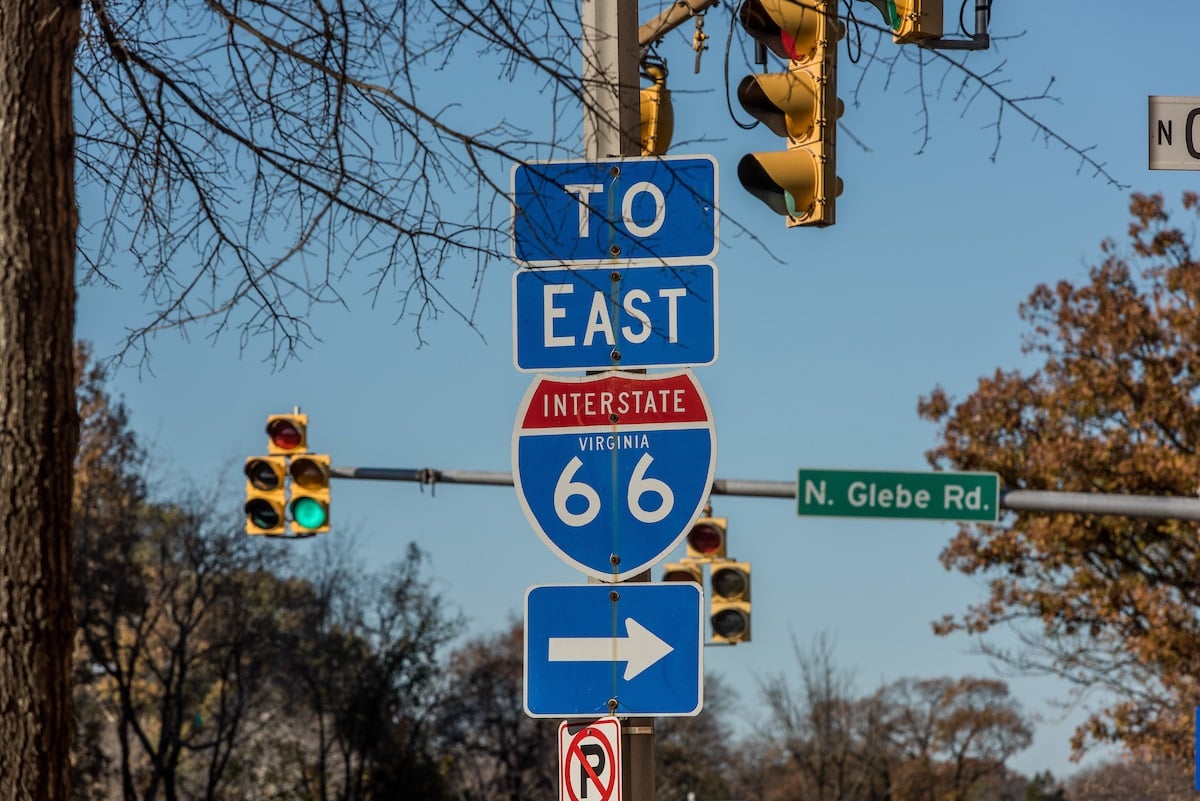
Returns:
point(1153, 507)
point(424, 475)
point(430, 475)
point(1085, 503)
point(757, 489)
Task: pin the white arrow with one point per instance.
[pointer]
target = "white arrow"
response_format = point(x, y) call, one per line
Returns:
point(639, 650)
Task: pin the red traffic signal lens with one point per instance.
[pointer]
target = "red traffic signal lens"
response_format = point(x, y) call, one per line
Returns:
point(705, 538)
point(263, 514)
point(731, 624)
point(730, 583)
point(285, 434)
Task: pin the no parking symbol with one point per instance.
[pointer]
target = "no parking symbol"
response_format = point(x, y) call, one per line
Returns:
point(589, 758)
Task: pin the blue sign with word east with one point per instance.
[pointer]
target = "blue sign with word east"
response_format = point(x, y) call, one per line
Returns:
point(608, 317)
point(627, 649)
point(636, 210)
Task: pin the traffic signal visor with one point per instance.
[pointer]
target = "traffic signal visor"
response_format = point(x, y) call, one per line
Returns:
point(730, 604)
point(786, 102)
point(287, 433)
point(794, 183)
point(309, 506)
point(265, 494)
point(706, 539)
point(790, 29)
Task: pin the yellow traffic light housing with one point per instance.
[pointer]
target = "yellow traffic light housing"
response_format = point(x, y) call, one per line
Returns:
point(309, 506)
point(911, 21)
point(658, 115)
point(786, 102)
point(917, 20)
point(683, 571)
point(706, 539)
point(729, 607)
point(800, 104)
point(287, 433)
point(265, 494)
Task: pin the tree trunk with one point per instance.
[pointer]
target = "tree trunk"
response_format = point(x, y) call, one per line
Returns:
point(38, 425)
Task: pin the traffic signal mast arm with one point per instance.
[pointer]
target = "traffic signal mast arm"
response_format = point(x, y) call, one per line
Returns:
point(671, 18)
point(1090, 503)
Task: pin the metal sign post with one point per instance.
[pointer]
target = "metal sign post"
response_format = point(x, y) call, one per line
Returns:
point(612, 127)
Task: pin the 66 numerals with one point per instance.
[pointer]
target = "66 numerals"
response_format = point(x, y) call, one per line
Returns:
point(614, 511)
point(642, 489)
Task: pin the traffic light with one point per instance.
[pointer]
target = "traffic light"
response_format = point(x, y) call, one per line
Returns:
point(657, 113)
point(265, 494)
point(729, 610)
point(706, 539)
point(911, 20)
point(287, 433)
point(800, 104)
point(683, 571)
point(309, 506)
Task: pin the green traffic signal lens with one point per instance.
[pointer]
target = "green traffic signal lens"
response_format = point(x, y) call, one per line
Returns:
point(262, 513)
point(790, 200)
point(309, 513)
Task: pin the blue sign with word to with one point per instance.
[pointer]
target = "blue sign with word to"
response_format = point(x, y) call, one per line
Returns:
point(607, 317)
point(618, 649)
point(637, 210)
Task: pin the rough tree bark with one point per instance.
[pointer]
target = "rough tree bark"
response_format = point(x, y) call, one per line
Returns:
point(38, 426)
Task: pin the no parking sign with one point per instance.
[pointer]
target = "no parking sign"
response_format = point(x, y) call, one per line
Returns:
point(589, 758)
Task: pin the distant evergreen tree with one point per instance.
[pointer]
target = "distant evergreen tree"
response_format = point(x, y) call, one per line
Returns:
point(1043, 787)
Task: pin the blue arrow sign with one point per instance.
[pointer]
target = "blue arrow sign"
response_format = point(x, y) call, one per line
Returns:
point(647, 210)
point(586, 318)
point(637, 645)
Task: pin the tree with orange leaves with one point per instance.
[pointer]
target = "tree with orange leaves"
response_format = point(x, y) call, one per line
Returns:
point(1106, 602)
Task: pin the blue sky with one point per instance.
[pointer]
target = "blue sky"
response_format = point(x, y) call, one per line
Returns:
point(827, 339)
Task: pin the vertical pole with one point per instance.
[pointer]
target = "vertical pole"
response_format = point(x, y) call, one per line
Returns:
point(611, 111)
point(637, 754)
point(612, 128)
point(637, 741)
point(637, 749)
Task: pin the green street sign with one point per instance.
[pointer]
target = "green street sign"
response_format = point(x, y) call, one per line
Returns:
point(907, 495)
